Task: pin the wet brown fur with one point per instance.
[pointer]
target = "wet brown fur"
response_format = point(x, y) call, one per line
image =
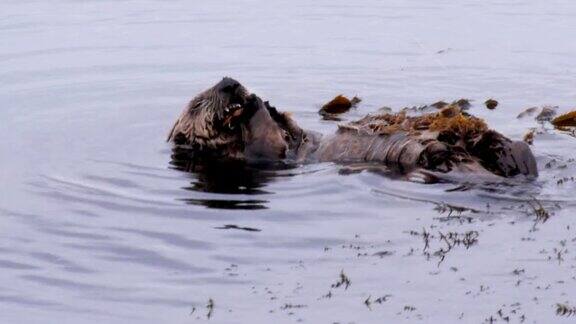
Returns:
point(252, 130)
point(200, 125)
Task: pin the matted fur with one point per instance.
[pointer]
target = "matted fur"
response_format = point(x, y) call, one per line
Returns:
point(200, 124)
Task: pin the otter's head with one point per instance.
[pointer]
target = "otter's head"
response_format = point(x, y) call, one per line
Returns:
point(227, 121)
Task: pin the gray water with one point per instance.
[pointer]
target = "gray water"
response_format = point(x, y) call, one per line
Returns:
point(98, 227)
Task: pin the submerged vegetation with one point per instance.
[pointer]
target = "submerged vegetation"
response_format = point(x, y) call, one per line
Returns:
point(445, 242)
point(565, 310)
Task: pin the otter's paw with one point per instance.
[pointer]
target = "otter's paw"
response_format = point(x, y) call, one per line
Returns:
point(232, 114)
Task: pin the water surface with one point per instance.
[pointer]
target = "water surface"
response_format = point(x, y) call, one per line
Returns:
point(98, 226)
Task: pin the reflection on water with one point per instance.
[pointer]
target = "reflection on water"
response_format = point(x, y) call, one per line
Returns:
point(231, 178)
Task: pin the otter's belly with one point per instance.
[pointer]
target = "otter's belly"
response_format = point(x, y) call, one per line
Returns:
point(399, 150)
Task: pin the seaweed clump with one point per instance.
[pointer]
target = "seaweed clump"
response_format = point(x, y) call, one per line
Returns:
point(449, 122)
point(491, 104)
point(565, 120)
point(339, 105)
point(459, 124)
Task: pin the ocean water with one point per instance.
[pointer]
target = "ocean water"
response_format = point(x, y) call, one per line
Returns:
point(99, 227)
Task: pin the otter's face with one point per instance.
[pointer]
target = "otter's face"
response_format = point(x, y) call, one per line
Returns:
point(225, 99)
point(227, 119)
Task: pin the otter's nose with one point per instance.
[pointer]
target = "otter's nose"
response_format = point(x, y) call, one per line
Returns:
point(228, 85)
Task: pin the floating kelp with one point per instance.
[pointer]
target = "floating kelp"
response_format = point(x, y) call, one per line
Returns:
point(453, 121)
point(232, 226)
point(450, 111)
point(565, 120)
point(463, 103)
point(448, 120)
point(491, 104)
point(343, 281)
point(339, 105)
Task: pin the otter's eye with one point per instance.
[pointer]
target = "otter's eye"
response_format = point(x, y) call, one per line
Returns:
point(230, 88)
point(287, 136)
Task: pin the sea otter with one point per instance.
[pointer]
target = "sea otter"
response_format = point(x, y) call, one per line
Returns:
point(226, 121)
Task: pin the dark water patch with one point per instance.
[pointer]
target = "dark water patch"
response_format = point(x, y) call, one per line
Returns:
point(248, 204)
point(230, 178)
point(227, 176)
point(214, 179)
point(236, 227)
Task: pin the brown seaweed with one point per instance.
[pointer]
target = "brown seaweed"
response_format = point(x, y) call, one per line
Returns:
point(491, 104)
point(463, 103)
point(339, 105)
point(449, 119)
point(565, 120)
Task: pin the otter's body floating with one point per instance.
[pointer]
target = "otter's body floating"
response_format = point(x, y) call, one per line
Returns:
point(226, 122)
